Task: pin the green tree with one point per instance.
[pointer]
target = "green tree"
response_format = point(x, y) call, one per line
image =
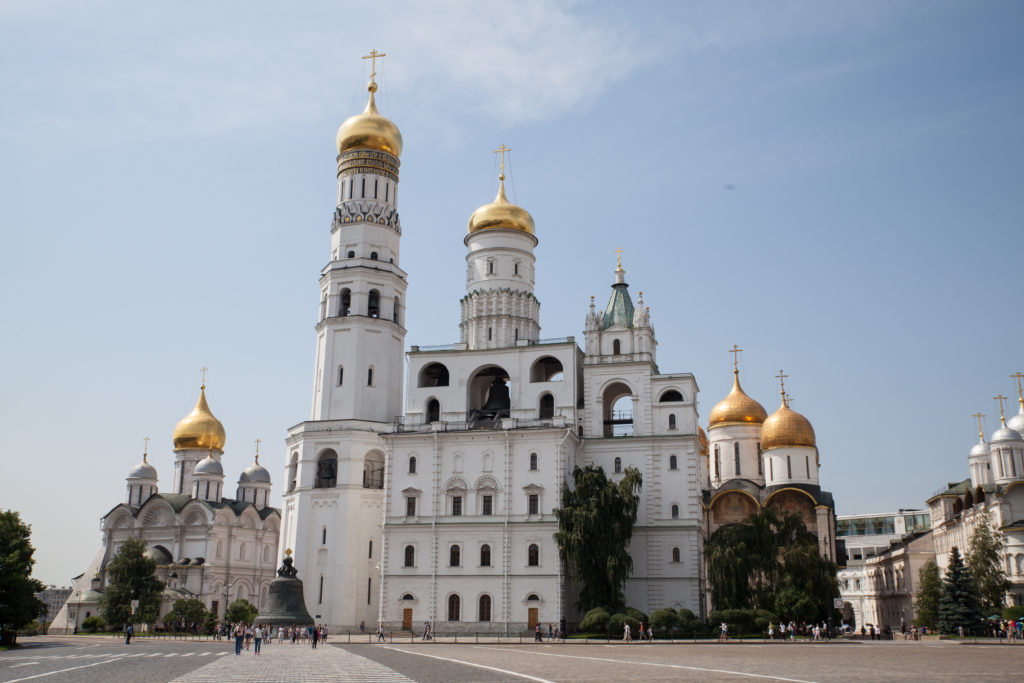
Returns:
point(985, 562)
point(595, 524)
point(188, 612)
point(130, 577)
point(929, 592)
point(18, 602)
point(959, 604)
point(242, 610)
point(664, 620)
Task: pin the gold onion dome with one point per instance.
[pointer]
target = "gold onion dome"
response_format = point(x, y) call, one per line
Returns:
point(501, 214)
point(200, 429)
point(737, 407)
point(370, 130)
point(786, 427)
point(703, 438)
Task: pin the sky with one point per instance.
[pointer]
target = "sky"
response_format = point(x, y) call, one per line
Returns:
point(835, 187)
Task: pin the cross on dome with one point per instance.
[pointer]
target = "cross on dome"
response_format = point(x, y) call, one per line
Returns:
point(736, 351)
point(501, 150)
point(1020, 390)
point(981, 433)
point(373, 56)
point(145, 448)
point(1002, 415)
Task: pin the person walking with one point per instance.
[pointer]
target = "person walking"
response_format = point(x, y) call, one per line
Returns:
point(626, 636)
point(239, 633)
point(312, 635)
point(258, 637)
point(323, 633)
point(380, 633)
point(248, 636)
point(128, 631)
point(723, 632)
point(771, 631)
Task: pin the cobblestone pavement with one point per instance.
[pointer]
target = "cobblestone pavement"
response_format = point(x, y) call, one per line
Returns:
point(285, 662)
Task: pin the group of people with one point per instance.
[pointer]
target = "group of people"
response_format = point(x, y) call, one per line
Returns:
point(643, 633)
point(258, 634)
point(820, 631)
point(538, 633)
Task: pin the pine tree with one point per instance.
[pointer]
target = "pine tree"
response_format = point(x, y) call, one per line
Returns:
point(959, 604)
point(985, 562)
point(929, 592)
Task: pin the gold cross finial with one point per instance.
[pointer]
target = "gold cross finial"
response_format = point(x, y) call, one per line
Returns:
point(618, 258)
point(782, 384)
point(203, 370)
point(373, 57)
point(787, 398)
point(501, 150)
point(735, 351)
point(981, 433)
point(257, 451)
point(1002, 415)
point(1020, 391)
point(145, 449)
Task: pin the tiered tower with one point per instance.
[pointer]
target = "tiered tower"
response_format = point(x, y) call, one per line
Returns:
point(334, 490)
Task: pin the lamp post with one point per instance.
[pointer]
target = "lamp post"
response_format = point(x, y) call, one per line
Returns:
point(227, 589)
point(78, 612)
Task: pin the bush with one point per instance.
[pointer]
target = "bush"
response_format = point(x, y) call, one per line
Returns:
point(595, 621)
point(636, 614)
point(618, 621)
point(1014, 612)
point(94, 625)
point(663, 620)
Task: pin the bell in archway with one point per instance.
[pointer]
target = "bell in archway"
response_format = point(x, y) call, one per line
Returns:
point(286, 605)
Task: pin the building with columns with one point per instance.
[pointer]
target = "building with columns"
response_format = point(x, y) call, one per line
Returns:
point(207, 545)
point(442, 510)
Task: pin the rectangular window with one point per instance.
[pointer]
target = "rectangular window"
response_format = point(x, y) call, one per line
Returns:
point(789, 467)
point(456, 506)
point(534, 501)
point(410, 506)
point(320, 598)
point(488, 503)
point(807, 462)
point(369, 591)
point(387, 188)
point(371, 549)
point(374, 189)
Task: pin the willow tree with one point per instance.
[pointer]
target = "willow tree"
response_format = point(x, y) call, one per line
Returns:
point(595, 525)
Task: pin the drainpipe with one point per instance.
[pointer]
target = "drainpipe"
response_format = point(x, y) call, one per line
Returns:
point(433, 539)
point(508, 511)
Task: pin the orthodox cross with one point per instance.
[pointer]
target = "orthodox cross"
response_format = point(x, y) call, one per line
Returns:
point(735, 351)
point(145, 449)
point(618, 256)
point(1002, 415)
point(257, 451)
point(789, 399)
point(1020, 392)
point(203, 370)
point(981, 432)
point(501, 150)
point(782, 382)
point(373, 56)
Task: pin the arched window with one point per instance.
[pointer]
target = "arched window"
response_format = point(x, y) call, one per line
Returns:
point(533, 555)
point(616, 347)
point(533, 462)
point(373, 256)
point(671, 421)
point(410, 556)
point(373, 304)
point(675, 511)
point(673, 464)
point(547, 406)
point(341, 375)
point(345, 303)
point(760, 460)
point(618, 465)
point(675, 554)
point(433, 375)
point(327, 470)
point(453, 608)
point(718, 462)
point(433, 410)
point(369, 377)
point(351, 254)
point(485, 608)
point(736, 457)
point(412, 464)
point(546, 369)
point(394, 311)
point(293, 471)
point(670, 396)
point(241, 551)
point(454, 556)
point(485, 555)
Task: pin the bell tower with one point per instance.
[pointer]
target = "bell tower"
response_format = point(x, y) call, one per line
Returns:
point(333, 494)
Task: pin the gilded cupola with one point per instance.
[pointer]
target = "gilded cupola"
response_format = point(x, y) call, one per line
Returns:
point(786, 427)
point(199, 429)
point(702, 437)
point(370, 130)
point(501, 213)
point(736, 408)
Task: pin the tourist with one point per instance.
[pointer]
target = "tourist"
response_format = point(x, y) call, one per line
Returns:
point(625, 633)
point(551, 632)
point(312, 633)
point(239, 633)
point(280, 633)
point(248, 636)
point(380, 633)
point(723, 632)
point(258, 637)
point(771, 631)
point(362, 627)
point(128, 631)
point(537, 636)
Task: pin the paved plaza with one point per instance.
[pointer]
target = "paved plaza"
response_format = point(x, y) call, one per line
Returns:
point(84, 659)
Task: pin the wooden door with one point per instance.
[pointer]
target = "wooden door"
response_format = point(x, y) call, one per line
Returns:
point(533, 618)
point(407, 619)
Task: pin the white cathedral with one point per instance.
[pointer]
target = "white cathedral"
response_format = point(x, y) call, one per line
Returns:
point(443, 511)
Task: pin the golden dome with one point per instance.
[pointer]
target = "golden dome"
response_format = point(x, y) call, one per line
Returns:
point(703, 438)
point(501, 214)
point(199, 429)
point(786, 427)
point(737, 407)
point(370, 130)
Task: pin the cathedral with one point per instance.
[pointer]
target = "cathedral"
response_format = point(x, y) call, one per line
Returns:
point(207, 546)
point(441, 510)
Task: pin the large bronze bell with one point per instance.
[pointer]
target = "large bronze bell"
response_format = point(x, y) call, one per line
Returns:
point(285, 606)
